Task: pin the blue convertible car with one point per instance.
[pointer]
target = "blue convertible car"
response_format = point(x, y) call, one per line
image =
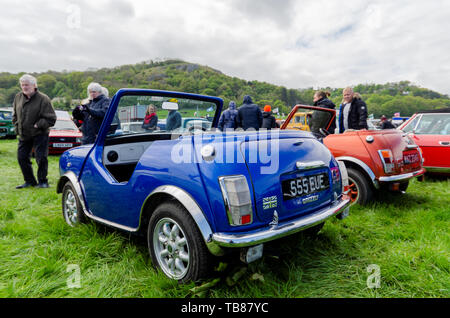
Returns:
point(197, 194)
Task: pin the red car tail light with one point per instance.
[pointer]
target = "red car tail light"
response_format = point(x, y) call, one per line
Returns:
point(387, 159)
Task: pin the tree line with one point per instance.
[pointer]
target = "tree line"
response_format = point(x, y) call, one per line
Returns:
point(67, 88)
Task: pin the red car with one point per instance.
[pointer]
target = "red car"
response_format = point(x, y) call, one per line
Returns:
point(64, 135)
point(430, 130)
point(375, 159)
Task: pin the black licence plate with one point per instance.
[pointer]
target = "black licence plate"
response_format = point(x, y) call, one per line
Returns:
point(302, 186)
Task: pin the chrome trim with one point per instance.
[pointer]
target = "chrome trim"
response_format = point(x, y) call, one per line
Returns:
point(194, 210)
point(365, 167)
point(412, 146)
point(76, 184)
point(270, 233)
point(310, 165)
point(183, 197)
point(401, 177)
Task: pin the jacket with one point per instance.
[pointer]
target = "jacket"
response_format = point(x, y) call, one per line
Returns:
point(173, 120)
point(326, 103)
point(228, 118)
point(150, 122)
point(269, 121)
point(249, 115)
point(37, 110)
point(357, 116)
point(92, 116)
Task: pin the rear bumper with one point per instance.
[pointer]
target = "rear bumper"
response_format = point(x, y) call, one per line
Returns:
point(271, 233)
point(402, 177)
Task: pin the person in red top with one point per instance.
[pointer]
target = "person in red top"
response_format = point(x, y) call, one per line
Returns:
point(151, 119)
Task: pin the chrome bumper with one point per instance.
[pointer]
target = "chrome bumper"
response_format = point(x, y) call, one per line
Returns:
point(402, 177)
point(271, 233)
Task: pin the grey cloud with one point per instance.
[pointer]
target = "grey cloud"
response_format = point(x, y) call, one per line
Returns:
point(279, 12)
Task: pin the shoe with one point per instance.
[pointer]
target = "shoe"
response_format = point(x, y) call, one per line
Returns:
point(42, 185)
point(26, 185)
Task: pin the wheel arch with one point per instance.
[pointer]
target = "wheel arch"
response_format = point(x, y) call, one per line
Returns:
point(351, 162)
point(172, 193)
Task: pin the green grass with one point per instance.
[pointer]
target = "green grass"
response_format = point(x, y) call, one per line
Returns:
point(407, 236)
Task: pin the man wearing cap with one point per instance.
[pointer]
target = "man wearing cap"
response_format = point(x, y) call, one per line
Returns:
point(33, 116)
point(269, 120)
point(386, 124)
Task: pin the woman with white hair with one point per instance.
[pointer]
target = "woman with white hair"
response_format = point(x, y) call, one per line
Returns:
point(93, 113)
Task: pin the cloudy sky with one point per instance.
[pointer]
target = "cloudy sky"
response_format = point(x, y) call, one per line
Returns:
point(295, 43)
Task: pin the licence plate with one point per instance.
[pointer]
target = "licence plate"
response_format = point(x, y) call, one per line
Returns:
point(411, 158)
point(302, 186)
point(60, 145)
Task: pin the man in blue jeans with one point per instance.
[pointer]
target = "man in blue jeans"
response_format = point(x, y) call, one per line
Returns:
point(33, 116)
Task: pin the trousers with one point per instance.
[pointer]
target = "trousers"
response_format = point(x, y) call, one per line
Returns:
point(40, 145)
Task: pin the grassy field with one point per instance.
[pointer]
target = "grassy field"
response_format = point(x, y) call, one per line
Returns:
point(405, 236)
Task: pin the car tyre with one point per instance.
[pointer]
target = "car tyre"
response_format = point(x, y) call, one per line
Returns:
point(71, 207)
point(360, 189)
point(175, 244)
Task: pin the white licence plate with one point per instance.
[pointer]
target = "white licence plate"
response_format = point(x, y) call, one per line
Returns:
point(60, 145)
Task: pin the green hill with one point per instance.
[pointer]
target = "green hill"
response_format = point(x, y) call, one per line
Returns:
point(69, 87)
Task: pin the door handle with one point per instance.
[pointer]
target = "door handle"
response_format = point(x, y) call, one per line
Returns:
point(444, 143)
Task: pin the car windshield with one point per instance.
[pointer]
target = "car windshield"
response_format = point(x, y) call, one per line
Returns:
point(159, 114)
point(5, 115)
point(64, 125)
point(433, 124)
point(310, 120)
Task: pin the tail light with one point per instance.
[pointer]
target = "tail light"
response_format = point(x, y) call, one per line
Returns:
point(238, 203)
point(387, 159)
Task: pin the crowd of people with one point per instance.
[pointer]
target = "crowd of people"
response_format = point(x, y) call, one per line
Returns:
point(33, 116)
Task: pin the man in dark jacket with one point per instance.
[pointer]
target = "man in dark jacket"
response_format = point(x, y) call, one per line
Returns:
point(321, 100)
point(269, 120)
point(386, 124)
point(92, 114)
point(32, 117)
point(249, 115)
point(352, 112)
point(228, 118)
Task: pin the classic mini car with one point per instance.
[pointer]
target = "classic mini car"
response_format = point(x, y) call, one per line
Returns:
point(7, 129)
point(375, 159)
point(300, 120)
point(64, 134)
point(196, 195)
point(430, 130)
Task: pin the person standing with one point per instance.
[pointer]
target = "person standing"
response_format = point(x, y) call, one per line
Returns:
point(249, 115)
point(32, 117)
point(321, 100)
point(352, 112)
point(269, 120)
point(151, 119)
point(386, 124)
point(228, 118)
point(92, 114)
